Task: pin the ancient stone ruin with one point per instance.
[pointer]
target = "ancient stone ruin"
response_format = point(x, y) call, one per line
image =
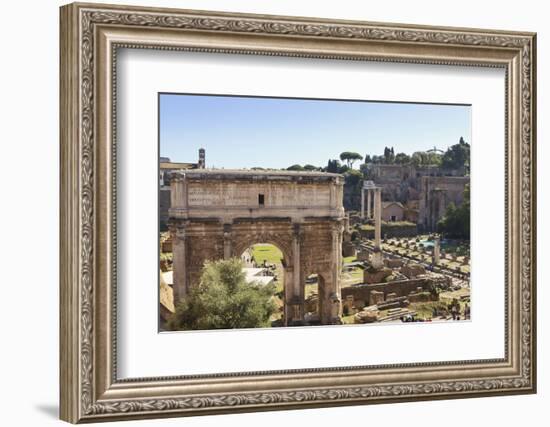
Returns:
point(217, 214)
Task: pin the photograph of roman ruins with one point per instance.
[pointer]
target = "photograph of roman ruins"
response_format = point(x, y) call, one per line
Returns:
point(303, 212)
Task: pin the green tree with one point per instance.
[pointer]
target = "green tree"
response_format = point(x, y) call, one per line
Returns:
point(389, 155)
point(456, 221)
point(350, 157)
point(377, 159)
point(343, 169)
point(402, 159)
point(422, 158)
point(354, 176)
point(418, 158)
point(310, 168)
point(457, 156)
point(224, 300)
point(434, 159)
point(295, 168)
point(333, 166)
point(365, 170)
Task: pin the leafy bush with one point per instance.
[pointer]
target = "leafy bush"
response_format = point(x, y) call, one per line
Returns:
point(456, 221)
point(224, 300)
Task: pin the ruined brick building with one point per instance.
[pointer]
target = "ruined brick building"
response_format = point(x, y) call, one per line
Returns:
point(419, 194)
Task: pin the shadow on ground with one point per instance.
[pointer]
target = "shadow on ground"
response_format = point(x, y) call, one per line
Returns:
point(49, 410)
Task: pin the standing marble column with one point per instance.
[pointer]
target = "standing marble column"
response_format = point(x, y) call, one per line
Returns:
point(333, 303)
point(288, 293)
point(226, 241)
point(362, 203)
point(369, 204)
point(336, 253)
point(179, 250)
point(440, 209)
point(178, 192)
point(377, 217)
point(437, 255)
point(297, 296)
point(296, 258)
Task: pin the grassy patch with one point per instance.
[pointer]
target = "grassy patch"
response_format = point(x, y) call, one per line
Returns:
point(424, 310)
point(267, 252)
point(348, 320)
point(450, 295)
point(166, 256)
point(352, 277)
point(311, 289)
point(366, 227)
point(398, 224)
point(357, 273)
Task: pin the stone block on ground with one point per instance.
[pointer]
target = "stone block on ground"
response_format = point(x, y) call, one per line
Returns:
point(376, 297)
point(348, 249)
point(371, 275)
point(393, 263)
point(419, 297)
point(366, 316)
point(412, 270)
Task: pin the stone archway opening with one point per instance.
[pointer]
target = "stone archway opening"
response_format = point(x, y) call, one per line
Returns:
point(316, 302)
point(264, 263)
point(313, 299)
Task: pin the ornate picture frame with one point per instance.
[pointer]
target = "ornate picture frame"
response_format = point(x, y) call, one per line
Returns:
point(90, 37)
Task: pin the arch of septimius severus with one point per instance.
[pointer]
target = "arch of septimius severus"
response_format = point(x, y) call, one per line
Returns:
point(218, 214)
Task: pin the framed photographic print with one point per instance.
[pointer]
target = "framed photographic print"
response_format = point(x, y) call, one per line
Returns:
point(266, 212)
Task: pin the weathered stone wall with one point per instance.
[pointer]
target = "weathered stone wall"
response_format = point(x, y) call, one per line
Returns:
point(276, 194)
point(390, 210)
point(382, 173)
point(401, 230)
point(361, 293)
point(403, 183)
point(250, 194)
point(436, 194)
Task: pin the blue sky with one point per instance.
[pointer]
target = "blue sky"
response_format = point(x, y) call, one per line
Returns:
point(244, 132)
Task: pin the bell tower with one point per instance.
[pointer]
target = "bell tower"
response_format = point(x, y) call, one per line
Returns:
point(202, 158)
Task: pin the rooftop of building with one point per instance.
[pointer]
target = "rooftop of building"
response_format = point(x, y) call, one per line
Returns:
point(386, 204)
point(177, 165)
point(446, 178)
point(249, 174)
